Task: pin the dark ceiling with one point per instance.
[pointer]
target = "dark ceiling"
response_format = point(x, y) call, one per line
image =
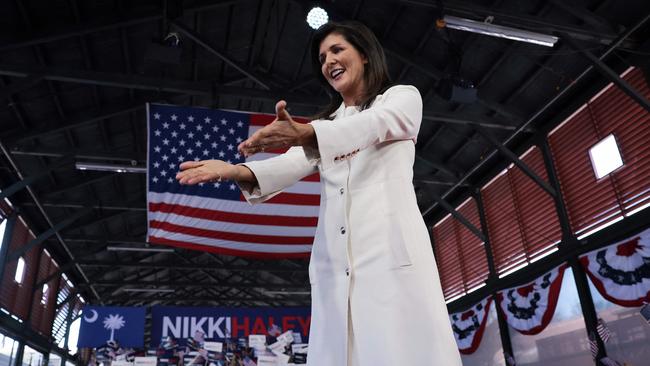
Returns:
point(75, 76)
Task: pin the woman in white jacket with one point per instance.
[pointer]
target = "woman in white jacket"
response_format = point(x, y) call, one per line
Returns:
point(376, 295)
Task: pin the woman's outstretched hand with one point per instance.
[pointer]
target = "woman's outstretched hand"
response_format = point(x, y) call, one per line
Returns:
point(283, 132)
point(194, 172)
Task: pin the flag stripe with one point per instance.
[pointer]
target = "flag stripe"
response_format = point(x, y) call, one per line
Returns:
point(295, 199)
point(234, 206)
point(215, 234)
point(209, 224)
point(210, 247)
point(233, 217)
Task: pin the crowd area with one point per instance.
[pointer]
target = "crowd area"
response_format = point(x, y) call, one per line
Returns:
point(271, 349)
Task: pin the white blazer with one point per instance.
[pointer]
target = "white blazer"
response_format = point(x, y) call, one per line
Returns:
point(376, 293)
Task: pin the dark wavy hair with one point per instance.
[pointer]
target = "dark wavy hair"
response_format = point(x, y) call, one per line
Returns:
point(375, 71)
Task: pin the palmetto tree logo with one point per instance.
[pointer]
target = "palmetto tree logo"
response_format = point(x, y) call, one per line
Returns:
point(114, 322)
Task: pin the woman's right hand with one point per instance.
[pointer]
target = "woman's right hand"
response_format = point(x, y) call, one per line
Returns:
point(194, 172)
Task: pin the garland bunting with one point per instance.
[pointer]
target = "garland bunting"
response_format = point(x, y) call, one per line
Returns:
point(621, 271)
point(530, 308)
point(469, 325)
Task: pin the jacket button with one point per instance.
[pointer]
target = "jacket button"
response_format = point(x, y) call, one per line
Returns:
point(347, 271)
point(341, 190)
point(342, 230)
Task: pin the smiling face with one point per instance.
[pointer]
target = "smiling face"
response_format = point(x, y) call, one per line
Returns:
point(343, 67)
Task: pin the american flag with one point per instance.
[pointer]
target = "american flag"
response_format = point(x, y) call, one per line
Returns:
point(214, 216)
point(603, 330)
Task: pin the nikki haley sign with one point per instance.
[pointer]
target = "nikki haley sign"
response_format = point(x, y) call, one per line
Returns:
point(220, 323)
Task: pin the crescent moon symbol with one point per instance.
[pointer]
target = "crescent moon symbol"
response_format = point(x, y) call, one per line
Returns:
point(92, 318)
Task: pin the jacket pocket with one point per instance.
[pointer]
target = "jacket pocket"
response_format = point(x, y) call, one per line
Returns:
point(400, 256)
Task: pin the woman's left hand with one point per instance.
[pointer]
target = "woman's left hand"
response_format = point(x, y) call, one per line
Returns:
point(283, 132)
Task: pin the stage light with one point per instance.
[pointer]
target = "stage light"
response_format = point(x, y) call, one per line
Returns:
point(139, 249)
point(167, 290)
point(110, 167)
point(317, 17)
point(499, 31)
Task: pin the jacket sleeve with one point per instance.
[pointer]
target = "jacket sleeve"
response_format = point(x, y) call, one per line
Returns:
point(397, 117)
point(277, 173)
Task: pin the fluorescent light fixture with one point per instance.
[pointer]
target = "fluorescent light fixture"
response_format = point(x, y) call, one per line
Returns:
point(139, 249)
point(20, 270)
point(317, 17)
point(287, 292)
point(167, 290)
point(499, 31)
point(110, 167)
point(605, 156)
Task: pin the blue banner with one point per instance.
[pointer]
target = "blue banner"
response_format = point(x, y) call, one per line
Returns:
point(100, 324)
point(220, 323)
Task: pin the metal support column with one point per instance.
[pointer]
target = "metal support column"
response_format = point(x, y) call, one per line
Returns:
point(520, 164)
point(68, 322)
point(458, 216)
point(504, 329)
point(609, 73)
point(569, 241)
point(20, 352)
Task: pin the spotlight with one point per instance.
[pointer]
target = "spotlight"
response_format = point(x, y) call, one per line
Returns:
point(317, 17)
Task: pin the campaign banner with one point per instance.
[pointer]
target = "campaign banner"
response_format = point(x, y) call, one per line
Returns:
point(221, 323)
point(121, 325)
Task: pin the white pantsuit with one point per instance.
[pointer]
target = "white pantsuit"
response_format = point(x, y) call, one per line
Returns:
point(376, 295)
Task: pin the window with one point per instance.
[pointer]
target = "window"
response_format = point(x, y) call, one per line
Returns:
point(74, 336)
point(605, 156)
point(490, 351)
point(564, 341)
point(630, 335)
point(32, 357)
point(8, 348)
point(44, 294)
point(54, 360)
point(20, 270)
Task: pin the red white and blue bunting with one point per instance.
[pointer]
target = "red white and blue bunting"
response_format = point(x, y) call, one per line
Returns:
point(469, 325)
point(530, 308)
point(621, 271)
